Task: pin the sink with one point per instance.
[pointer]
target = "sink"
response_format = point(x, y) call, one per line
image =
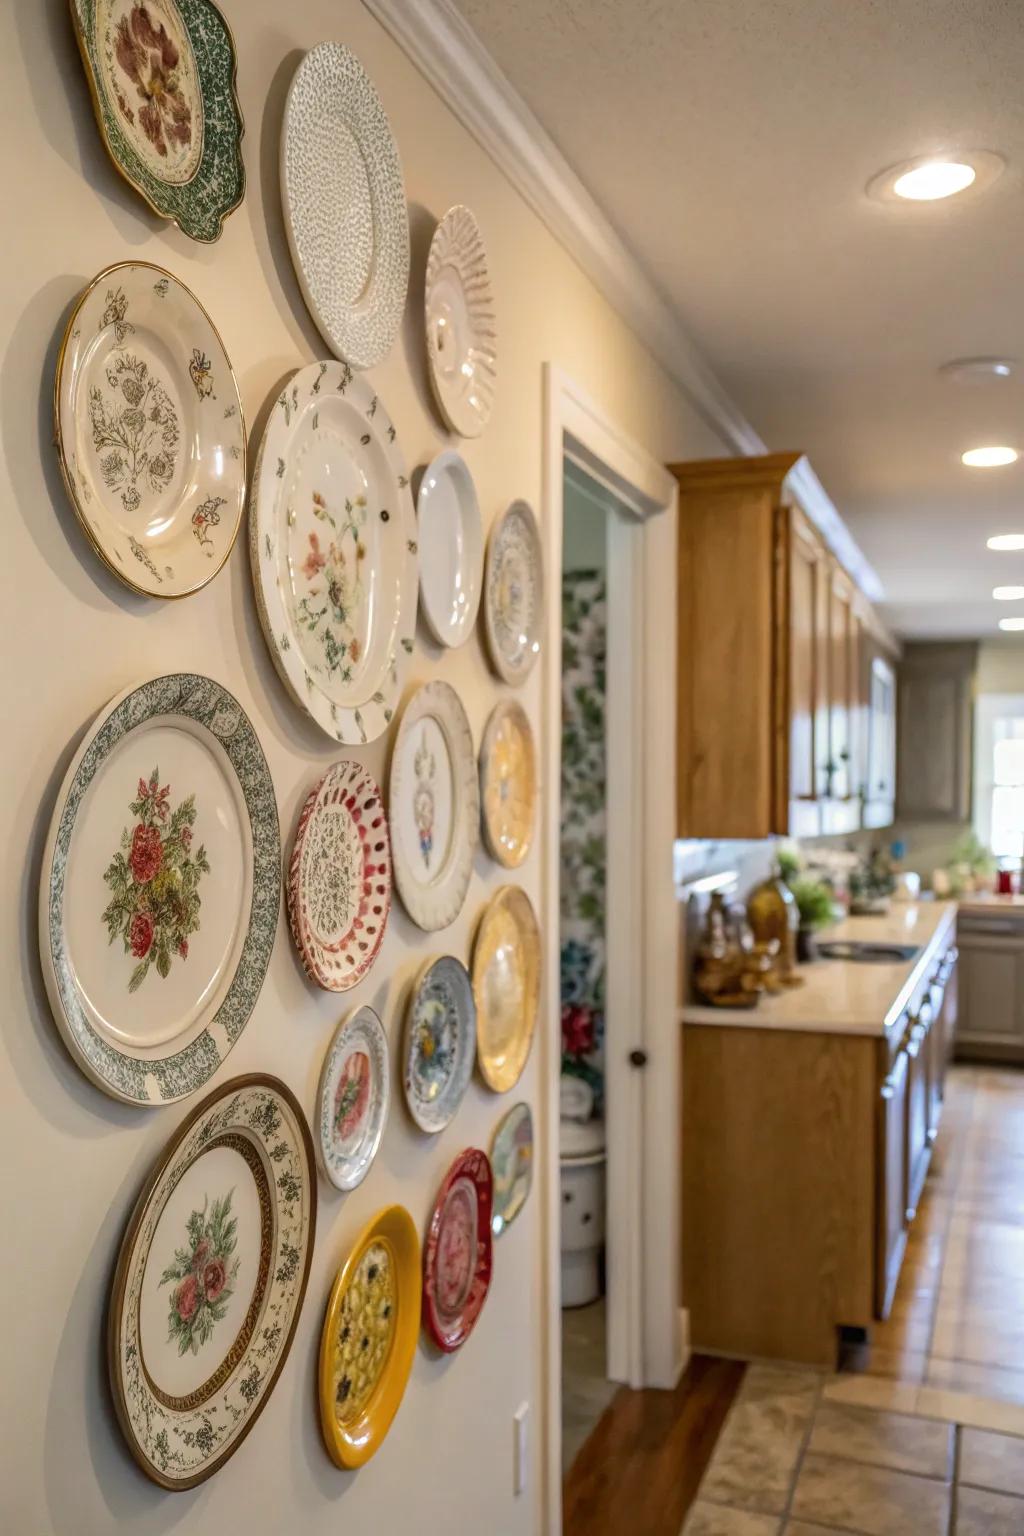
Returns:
point(867, 953)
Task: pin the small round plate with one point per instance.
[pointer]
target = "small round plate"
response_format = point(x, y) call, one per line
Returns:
point(462, 340)
point(511, 1165)
point(506, 986)
point(514, 593)
point(369, 1337)
point(451, 548)
point(353, 1097)
point(339, 879)
point(457, 1255)
point(508, 784)
point(434, 803)
point(440, 1043)
point(149, 430)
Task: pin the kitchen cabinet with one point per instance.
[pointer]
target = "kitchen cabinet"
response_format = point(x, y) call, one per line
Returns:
point(918, 1144)
point(879, 740)
point(990, 1022)
point(891, 1239)
point(936, 688)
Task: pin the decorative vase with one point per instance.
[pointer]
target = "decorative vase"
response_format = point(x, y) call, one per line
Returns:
point(772, 914)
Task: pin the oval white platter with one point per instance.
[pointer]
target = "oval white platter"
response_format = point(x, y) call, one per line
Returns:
point(344, 205)
point(160, 890)
point(353, 1097)
point(514, 593)
point(339, 878)
point(149, 430)
point(332, 542)
point(508, 784)
point(439, 1047)
point(434, 806)
point(451, 548)
point(462, 342)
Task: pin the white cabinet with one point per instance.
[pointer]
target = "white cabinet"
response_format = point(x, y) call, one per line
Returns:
point(880, 776)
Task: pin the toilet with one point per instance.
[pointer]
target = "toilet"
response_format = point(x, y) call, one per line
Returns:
point(582, 1160)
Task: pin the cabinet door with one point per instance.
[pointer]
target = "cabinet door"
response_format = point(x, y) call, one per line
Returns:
point(842, 691)
point(950, 1004)
point(880, 729)
point(935, 1055)
point(892, 1184)
point(991, 990)
point(805, 629)
point(934, 732)
point(918, 1145)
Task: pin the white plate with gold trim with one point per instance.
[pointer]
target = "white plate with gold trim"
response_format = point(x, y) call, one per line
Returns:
point(462, 342)
point(451, 548)
point(514, 593)
point(149, 430)
point(508, 784)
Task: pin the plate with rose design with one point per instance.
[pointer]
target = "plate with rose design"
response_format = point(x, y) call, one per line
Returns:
point(339, 879)
point(457, 1254)
point(149, 430)
point(355, 1088)
point(508, 784)
point(440, 1043)
point(506, 986)
point(369, 1337)
point(514, 593)
point(160, 890)
point(162, 78)
point(511, 1165)
point(434, 803)
point(210, 1280)
point(332, 541)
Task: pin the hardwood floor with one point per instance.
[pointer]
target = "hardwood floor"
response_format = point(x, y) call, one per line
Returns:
point(640, 1469)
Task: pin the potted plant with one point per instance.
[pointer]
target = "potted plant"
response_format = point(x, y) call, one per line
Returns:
point(814, 904)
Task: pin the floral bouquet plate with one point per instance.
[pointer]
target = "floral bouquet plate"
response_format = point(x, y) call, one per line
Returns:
point(210, 1280)
point(440, 1043)
point(149, 430)
point(332, 538)
point(160, 890)
point(355, 1089)
point(457, 1254)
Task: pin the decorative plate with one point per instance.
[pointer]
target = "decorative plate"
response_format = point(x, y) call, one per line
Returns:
point(344, 205)
point(210, 1280)
point(332, 539)
point(434, 801)
point(149, 430)
point(339, 879)
point(512, 1166)
point(508, 784)
point(461, 337)
point(369, 1337)
point(355, 1088)
point(160, 890)
point(451, 545)
point(506, 986)
point(514, 593)
point(457, 1254)
point(440, 1043)
point(162, 78)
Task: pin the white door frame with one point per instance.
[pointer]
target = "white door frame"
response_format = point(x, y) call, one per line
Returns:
point(646, 1329)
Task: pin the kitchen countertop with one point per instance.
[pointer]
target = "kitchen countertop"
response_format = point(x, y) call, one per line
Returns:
point(851, 997)
point(988, 902)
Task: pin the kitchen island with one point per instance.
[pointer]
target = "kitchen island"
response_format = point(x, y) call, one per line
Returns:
point(808, 1125)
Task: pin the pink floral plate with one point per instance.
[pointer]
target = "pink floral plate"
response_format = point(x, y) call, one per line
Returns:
point(339, 881)
point(457, 1254)
point(355, 1090)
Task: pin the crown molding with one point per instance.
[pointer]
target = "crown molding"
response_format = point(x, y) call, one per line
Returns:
point(448, 53)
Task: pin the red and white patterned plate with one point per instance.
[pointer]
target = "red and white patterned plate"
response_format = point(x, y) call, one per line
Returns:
point(339, 882)
point(457, 1254)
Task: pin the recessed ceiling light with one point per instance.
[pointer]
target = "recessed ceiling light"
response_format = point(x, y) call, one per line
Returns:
point(989, 458)
point(1006, 541)
point(978, 370)
point(1011, 623)
point(931, 178)
point(1007, 594)
point(935, 179)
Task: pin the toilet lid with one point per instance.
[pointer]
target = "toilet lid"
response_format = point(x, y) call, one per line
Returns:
point(579, 1140)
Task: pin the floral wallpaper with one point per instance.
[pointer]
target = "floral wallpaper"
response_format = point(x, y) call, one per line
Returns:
point(584, 637)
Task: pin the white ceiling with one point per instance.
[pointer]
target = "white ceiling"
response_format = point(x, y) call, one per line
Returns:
point(730, 142)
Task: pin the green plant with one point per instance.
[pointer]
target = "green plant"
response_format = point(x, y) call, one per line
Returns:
point(788, 861)
point(970, 850)
point(814, 903)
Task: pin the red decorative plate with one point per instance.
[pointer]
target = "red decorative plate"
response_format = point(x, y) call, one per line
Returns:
point(339, 882)
point(457, 1252)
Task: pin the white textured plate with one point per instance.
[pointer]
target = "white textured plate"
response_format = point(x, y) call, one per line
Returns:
point(451, 548)
point(434, 806)
point(508, 784)
point(461, 338)
point(440, 1043)
point(355, 1088)
point(344, 205)
point(332, 540)
point(149, 430)
point(514, 593)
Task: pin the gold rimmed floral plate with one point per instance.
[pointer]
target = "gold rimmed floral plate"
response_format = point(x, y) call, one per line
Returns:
point(332, 539)
point(162, 78)
point(210, 1280)
point(160, 891)
point(508, 784)
point(369, 1337)
point(355, 1089)
point(440, 1043)
point(434, 806)
point(149, 430)
point(514, 593)
point(511, 1165)
point(506, 986)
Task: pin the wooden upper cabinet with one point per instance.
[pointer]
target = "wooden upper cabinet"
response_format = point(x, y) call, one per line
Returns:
point(936, 690)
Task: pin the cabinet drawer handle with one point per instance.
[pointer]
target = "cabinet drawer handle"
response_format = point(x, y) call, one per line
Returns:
point(888, 1089)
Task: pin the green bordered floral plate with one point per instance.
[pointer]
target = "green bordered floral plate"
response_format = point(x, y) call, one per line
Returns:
point(162, 78)
point(160, 889)
point(210, 1280)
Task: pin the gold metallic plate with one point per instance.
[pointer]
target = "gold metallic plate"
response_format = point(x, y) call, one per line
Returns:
point(506, 986)
point(508, 784)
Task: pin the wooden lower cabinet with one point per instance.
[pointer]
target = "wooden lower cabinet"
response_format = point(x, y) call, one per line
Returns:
point(990, 1024)
point(892, 1182)
point(917, 1051)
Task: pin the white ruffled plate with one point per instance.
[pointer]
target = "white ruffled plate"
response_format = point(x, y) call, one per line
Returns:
point(462, 340)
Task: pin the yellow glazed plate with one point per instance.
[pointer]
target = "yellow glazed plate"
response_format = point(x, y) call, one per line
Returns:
point(508, 784)
point(369, 1337)
point(506, 986)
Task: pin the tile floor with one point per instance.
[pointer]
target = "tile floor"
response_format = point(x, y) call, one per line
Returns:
point(586, 1390)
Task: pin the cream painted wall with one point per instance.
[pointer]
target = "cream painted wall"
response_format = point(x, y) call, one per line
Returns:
point(72, 1161)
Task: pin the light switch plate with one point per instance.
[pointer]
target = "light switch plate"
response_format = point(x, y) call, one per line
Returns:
point(519, 1448)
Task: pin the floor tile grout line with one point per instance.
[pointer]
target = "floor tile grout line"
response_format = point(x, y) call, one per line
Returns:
point(805, 1441)
point(954, 1501)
